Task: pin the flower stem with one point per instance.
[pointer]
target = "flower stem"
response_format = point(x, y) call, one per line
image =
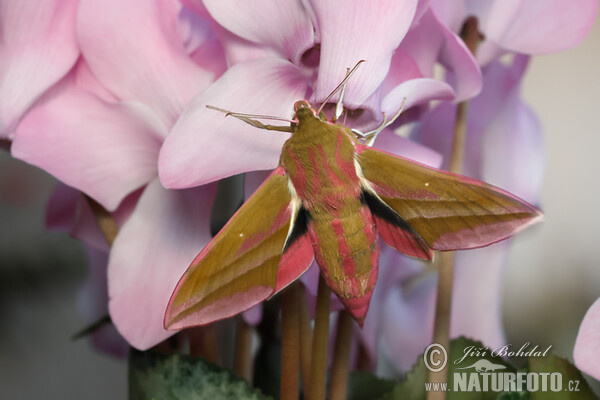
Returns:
point(318, 368)
point(203, 343)
point(441, 330)
point(242, 362)
point(341, 357)
point(305, 338)
point(290, 344)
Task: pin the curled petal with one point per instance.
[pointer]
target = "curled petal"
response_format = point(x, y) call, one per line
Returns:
point(105, 150)
point(283, 24)
point(143, 60)
point(193, 153)
point(362, 31)
point(37, 49)
point(430, 41)
point(587, 344)
point(416, 91)
point(163, 235)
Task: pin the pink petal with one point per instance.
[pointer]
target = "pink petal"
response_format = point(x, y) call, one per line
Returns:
point(363, 31)
point(105, 150)
point(254, 315)
point(430, 41)
point(283, 25)
point(393, 143)
point(238, 50)
point(587, 344)
point(201, 42)
point(153, 249)
point(513, 151)
point(407, 326)
point(134, 48)
point(37, 49)
point(539, 26)
point(416, 92)
point(477, 298)
point(205, 146)
point(435, 129)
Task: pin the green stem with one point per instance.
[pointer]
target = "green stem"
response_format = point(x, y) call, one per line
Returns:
point(290, 344)
point(341, 357)
point(242, 362)
point(441, 330)
point(318, 368)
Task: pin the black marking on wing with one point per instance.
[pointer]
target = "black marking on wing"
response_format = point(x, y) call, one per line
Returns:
point(385, 212)
point(299, 229)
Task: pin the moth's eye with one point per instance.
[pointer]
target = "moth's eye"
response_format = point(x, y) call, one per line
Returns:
point(301, 104)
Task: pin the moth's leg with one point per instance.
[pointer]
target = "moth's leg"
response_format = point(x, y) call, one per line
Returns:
point(369, 137)
point(250, 119)
point(342, 86)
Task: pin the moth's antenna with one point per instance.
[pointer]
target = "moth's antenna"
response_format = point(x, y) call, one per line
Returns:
point(251, 119)
point(340, 86)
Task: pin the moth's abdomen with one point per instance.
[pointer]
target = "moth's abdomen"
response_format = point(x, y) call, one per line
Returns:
point(347, 252)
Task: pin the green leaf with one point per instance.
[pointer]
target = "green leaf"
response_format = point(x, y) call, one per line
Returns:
point(414, 383)
point(366, 386)
point(178, 377)
point(571, 379)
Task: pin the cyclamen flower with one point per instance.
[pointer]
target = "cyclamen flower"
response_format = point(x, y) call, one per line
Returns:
point(99, 130)
point(303, 52)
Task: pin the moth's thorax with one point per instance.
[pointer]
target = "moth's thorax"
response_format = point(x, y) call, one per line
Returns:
point(319, 160)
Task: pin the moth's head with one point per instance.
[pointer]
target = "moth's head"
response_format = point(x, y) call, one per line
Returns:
point(303, 110)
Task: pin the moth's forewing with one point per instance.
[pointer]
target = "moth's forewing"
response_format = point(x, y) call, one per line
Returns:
point(243, 265)
point(449, 212)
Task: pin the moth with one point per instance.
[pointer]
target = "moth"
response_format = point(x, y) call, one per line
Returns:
point(329, 199)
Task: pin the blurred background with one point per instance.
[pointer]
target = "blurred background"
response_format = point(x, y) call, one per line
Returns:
point(552, 278)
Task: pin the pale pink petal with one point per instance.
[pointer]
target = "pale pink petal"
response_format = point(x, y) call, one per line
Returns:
point(587, 344)
point(201, 42)
point(435, 129)
point(451, 13)
point(393, 270)
point(364, 31)
point(513, 151)
point(407, 326)
point(283, 24)
point(37, 49)
point(93, 305)
point(539, 26)
point(477, 294)
point(253, 316)
point(393, 143)
point(105, 150)
point(135, 50)
point(416, 92)
point(197, 6)
point(430, 42)
point(205, 145)
point(238, 50)
point(152, 250)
